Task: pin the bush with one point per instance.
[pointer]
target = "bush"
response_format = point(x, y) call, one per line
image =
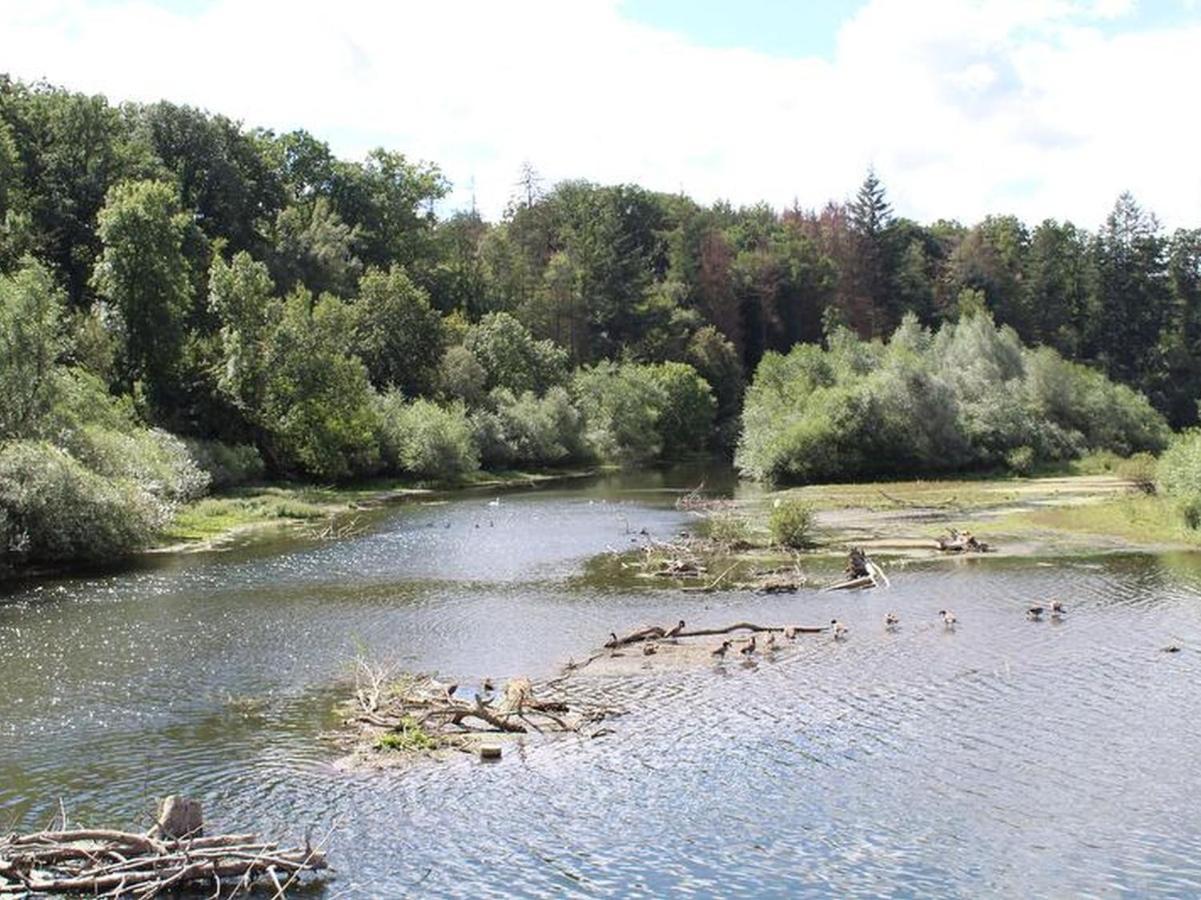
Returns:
point(1141, 469)
point(529, 430)
point(1179, 475)
point(621, 405)
point(227, 465)
point(156, 461)
point(56, 509)
point(970, 395)
point(728, 528)
point(425, 439)
point(685, 422)
point(1020, 460)
point(791, 524)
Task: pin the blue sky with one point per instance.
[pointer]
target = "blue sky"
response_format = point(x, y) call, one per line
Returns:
point(776, 27)
point(1041, 108)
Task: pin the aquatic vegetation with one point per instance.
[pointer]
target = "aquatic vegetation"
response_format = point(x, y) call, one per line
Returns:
point(791, 524)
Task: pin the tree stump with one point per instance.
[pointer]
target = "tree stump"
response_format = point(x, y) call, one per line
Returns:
point(178, 817)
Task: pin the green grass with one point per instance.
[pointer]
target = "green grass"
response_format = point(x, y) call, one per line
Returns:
point(214, 516)
point(409, 738)
point(1136, 517)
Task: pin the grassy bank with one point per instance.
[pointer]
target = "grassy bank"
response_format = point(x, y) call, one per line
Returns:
point(239, 510)
point(1019, 516)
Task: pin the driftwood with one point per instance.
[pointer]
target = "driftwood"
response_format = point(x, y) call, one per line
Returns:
point(416, 712)
point(961, 542)
point(655, 632)
point(111, 863)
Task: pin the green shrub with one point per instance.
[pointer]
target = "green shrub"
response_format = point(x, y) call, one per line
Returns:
point(791, 524)
point(685, 422)
point(55, 508)
point(1140, 468)
point(153, 459)
point(969, 395)
point(1020, 460)
point(425, 439)
point(621, 405)
point(728, 528)
point(228, 465)
point(529, 430)
point(1178, 475)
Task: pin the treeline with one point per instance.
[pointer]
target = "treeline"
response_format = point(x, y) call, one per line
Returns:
point(247, 296)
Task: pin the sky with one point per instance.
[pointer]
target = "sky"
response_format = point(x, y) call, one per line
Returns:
point(1039, 108)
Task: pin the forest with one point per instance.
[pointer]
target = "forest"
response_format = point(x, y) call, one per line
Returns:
point(188, 303)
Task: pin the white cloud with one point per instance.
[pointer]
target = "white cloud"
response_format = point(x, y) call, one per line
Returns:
point(964, 108)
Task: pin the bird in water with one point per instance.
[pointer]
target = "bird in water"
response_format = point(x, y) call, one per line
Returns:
point(1057, 609)
point(1171, 648)
point(840, 630)
point(676, 629)
point(891, 621)
point(1034, 613)
point(613, 642)
point(790, 633)
point(749, 649)
point(487, 685)
point(721, 651)
point(495, 502)
point(772, 646)
point(948, 619)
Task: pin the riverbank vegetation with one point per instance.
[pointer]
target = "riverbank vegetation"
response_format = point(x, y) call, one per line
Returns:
point(189, 304)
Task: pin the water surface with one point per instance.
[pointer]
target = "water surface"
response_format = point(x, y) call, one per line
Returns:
point(1007, 758)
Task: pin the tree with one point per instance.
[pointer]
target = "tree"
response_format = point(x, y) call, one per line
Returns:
point(869, 217)
point(30, 343)
point(241, 295)
point(1133, 300)
point(512, 358)
point(144, 274)
point(397, 334)
point(315, 248)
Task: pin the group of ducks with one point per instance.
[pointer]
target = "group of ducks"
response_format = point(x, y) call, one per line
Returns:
point(751, 647)
point(891, 623)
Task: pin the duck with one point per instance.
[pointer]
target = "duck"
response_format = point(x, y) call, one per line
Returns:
point(494, 502)
point(771, 643)
point(948, 619)
point(749, 649)
point(1057, 609)
point(721, 651)
point(675, 629)
point(790, 633)
point(487, 685)
point(891, 621)
point(840, 630)
point(613, 641)
point(1034, 613)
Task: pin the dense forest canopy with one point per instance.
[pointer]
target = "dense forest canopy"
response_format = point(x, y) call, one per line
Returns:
point(172, 275)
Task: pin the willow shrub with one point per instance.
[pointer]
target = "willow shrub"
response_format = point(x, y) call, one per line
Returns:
point(968, 396)
point(427, 440)
point(1179, 475)
point(528, 430)
point(56, 508)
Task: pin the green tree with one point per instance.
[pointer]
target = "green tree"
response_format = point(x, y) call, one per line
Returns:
point(398, 334)
point(143, 274)
point(512, 358)
point(30, 343)
point(315, 248)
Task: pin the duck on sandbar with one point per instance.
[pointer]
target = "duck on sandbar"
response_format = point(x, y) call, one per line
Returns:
point(676, 629)
point(749, 648)
point(721, 651)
